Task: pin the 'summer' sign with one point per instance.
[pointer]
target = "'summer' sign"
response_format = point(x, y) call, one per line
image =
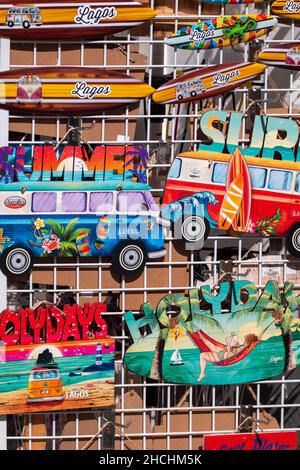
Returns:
point(72, 163)
point(256, 340)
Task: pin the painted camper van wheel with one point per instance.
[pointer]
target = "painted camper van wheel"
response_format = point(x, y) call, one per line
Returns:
point(129, 259)
point(293, 241)
point(26, 25)
point(10, 24)
point(194, 228)
point(16, 262)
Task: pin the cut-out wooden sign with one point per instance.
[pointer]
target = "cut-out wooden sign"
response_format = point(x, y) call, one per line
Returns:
point(69, 19)
point(68, 90)
point(207, 82)
point(189, 340)
point(244, 194)
point(222, 31)
point(55, 360)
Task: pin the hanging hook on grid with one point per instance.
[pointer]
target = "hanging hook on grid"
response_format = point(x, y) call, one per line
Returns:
point(79, 130)
point(246, 425)
point(122, 49)
point(118, 427)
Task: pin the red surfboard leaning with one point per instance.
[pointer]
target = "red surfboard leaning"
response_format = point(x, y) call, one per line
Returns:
point(69, 19)
point(68, 90)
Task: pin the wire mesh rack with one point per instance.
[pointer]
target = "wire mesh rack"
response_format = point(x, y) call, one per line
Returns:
point(149, 414)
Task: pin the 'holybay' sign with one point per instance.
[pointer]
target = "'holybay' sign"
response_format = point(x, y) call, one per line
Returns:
point(198, 344)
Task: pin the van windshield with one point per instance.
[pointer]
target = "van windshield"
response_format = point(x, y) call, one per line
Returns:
point(45, 374)
point(175, 169)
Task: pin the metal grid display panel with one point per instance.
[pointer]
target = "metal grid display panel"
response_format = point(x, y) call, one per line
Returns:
point(151, 415)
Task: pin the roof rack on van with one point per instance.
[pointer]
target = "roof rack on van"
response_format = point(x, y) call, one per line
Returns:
point(74, 186)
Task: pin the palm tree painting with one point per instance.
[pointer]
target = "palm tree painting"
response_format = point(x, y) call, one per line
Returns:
point(67, 235)
point(139, 159)
point(274, 312)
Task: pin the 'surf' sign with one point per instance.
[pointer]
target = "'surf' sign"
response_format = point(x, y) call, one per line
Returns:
point(55, 360)
point(271, 136)
point(198, 344)
point(252, 441)
point(72, 163)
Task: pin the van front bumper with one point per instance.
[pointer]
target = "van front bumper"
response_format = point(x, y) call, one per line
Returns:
point(157, 254)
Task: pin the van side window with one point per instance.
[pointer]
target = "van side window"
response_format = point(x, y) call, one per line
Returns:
point(74, 202)
point(101, 202)
point(297, 185)
point(220, 173)
point(131, 202)
point(43, 202)
point(175, 169)
point(258, 176)
point(280, 180)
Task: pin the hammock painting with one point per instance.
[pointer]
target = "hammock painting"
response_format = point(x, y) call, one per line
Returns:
point(204, 342)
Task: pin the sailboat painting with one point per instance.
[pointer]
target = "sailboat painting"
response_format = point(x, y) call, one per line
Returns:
point(257, 339)
point(176, 359)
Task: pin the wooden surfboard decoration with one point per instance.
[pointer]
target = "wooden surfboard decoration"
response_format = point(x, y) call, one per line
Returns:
point(285, 55)
point(68, 90)
point(70, 20)
point(207, 82)
point(287, 9)
point(222, 31)
point(236, 206)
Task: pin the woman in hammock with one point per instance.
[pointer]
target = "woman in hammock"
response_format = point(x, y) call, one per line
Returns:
point(217, 354)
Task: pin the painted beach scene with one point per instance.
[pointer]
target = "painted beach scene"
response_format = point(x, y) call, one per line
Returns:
point(218, 350)
point(57, 376)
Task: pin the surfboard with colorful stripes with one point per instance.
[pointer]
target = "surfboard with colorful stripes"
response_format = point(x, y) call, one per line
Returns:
point(68, 90)
point(222, 31)
point(285, 55)
point(207, 82)
point(70, 19)
point(287, 9)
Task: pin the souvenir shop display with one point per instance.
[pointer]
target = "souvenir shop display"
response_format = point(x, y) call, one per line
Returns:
point(222, 31)
point(69, 19)
point(73, 91)
point(206, 82)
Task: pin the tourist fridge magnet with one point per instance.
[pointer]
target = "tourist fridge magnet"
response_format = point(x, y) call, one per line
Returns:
point(287, 9)
point(68, 90)
point(207, 82)
point(212, 190)
point(53, 359)
point(113, 219)
point(222, 31)
point(257, 339)
point(69, 19)
point(286, 55)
